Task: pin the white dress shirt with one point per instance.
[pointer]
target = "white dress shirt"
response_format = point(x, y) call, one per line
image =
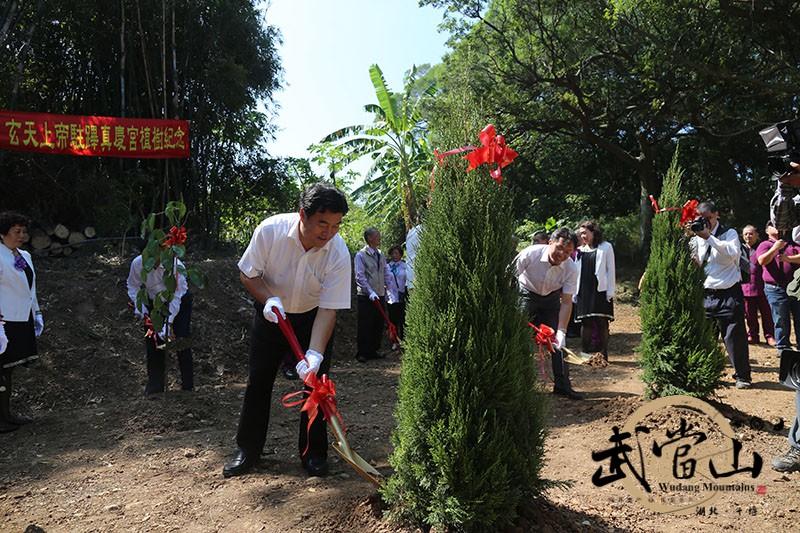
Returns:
point(412, 242)
point(303, 280)
point(537, 275)
point(155, 284)
point(722, 253)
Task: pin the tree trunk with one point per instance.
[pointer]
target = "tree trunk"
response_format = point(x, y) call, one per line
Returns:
point(61, 231)
point(75, 237)
point(40, 240)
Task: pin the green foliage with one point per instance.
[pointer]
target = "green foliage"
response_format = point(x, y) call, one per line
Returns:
point(469, 442)
point(623, 232)
point(165, 247)
point(680, 353)
point(618, 82)
point(395, 142)
point(96, 57)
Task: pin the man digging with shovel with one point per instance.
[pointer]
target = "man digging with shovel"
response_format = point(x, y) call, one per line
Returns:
point(298, 264)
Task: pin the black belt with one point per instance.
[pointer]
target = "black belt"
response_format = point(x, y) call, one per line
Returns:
point(723, 290)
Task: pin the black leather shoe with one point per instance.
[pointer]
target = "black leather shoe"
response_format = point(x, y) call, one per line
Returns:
point(290, 374)
point(361, 359)
point(241, 464)
point(19, 420)
point(569, 393)
point(7, 427)
point(316, 467)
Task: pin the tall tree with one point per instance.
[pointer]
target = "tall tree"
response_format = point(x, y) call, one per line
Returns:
point(396, 142)
point(468, 447)
point(680, 353)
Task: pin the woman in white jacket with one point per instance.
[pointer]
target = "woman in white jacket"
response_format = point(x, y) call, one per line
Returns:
point(597, 284)
point(20, 317)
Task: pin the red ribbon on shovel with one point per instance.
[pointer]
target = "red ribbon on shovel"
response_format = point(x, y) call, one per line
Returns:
point(323, 393)
point(147, 322)
point(391, 327)
point(545, 335)
point(323, 396)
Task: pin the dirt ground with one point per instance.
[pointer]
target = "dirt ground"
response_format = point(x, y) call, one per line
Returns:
point(102, 457)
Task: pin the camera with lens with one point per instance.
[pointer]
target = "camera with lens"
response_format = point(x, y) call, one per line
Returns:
point(699, 224)
point(789, 372)
point(783, 144)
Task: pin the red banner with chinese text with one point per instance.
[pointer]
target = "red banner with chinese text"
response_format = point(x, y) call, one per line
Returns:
point(97, 136)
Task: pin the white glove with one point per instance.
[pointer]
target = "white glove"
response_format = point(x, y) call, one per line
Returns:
point(373, 296)
point(166, 330)
point(560, 339)
point(38, 325)
point(309, 365)
point(3, 339)
point(273, 302)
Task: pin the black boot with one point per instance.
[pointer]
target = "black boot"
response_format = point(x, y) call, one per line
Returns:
point(5, 425)
point(5, 404)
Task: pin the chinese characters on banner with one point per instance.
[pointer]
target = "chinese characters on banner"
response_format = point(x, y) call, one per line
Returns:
point(93, 136)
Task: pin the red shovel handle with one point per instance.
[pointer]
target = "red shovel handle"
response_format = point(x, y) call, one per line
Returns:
point(288, 332)
point(392, 328)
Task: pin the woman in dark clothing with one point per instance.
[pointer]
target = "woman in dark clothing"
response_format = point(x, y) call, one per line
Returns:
point(597, 284)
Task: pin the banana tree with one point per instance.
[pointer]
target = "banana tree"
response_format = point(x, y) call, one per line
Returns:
point(396, 142)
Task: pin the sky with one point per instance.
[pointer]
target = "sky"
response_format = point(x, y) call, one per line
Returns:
point(328, 47)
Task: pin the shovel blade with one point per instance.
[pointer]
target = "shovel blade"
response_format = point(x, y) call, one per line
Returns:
point(575, 359)
point(353, 459)
point(359, 464)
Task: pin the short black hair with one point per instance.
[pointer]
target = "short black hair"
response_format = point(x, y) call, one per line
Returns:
point(322, 197)
point(398, 248)
point(707, 207)
point(9, 219)
point(566, 234)
point(539, 234)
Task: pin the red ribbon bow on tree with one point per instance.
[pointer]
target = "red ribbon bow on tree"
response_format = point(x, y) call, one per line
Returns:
point(176, 236)
point(688, 211)
point(494, 151)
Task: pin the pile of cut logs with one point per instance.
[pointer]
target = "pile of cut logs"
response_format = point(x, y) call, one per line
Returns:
point(58, 239)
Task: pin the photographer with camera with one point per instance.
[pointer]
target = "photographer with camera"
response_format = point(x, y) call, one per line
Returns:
point(718, 251)
point(783, 144)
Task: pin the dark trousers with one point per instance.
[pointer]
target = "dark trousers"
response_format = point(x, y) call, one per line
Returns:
point(544, 310)
point(369, 327)
point(753, 305)
point(397, 316)
point(726, 307)
point(157, 359)
point(267, 347)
